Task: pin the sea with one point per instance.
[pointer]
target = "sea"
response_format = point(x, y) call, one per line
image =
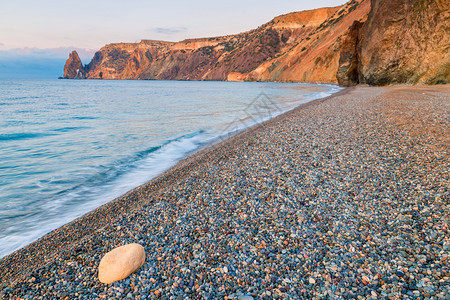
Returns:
point(70, 146)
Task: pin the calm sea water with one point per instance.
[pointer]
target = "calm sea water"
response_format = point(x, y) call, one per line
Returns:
point(67, 146)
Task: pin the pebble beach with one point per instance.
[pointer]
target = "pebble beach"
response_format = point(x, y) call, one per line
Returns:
point(345, 197)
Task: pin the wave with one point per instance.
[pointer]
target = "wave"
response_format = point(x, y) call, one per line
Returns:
point(67, 129)
point(107, 185)
point(84, 118)
point(22, 136)
point(116, 179)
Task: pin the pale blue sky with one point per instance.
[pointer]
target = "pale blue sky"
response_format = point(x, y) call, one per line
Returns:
point(94, 23)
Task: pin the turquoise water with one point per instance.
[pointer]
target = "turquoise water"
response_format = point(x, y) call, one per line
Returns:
point(67, 146)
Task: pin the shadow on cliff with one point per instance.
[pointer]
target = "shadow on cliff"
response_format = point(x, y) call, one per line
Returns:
point(375, 42)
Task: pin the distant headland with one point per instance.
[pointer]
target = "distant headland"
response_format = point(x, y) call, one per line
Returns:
point(376, 42)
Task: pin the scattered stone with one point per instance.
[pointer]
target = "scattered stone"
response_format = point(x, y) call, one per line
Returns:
point(399, 273)
point(245, 298)
point(120, 262)
point(364, 166)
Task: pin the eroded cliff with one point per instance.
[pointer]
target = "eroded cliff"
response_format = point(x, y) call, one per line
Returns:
point(364, 41)
point(73, 68)
point(315, 58)
point(402, 42)
point(301, 46)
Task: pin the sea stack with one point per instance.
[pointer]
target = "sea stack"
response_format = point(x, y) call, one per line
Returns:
point(73, 68)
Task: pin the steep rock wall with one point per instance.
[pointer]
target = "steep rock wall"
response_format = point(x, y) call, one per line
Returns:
point(348, 71)
point(74, 68)
point(402, 42)
point(316, 57)
point(301, 46)
point(399, 41)
point(406, 41)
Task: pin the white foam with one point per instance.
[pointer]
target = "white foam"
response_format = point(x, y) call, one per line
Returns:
point(146, 169)
point(88, 197)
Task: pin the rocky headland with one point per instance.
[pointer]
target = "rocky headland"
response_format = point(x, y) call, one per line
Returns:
point(73, 68)
point(374, 42)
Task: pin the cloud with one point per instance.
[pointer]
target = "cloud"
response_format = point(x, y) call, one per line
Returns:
point(53, 53)
point(170, 30)
point(1, 44)
point(38, 63)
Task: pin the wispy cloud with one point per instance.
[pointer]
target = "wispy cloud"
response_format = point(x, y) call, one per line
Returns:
point(54, 53)
point(38, 63)
point(170, 30)
point(1, 44)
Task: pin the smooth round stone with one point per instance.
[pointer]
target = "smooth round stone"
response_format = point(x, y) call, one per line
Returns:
point(120, 262)
point(245, 298)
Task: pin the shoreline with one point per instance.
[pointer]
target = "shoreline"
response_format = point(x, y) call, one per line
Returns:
point(71, 240)
point(135, 193)
point(146, 163)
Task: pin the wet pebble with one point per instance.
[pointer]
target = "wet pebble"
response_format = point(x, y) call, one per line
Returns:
point(343, 198)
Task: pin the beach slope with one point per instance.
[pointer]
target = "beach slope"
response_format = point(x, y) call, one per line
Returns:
point(343, 196)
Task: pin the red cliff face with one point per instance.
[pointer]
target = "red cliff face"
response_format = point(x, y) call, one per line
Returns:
point(315, 57)
point(348, 72)
point(399, 41)
point(406, 41)
point(402, 42)
point(74, 68)
point(302, 46)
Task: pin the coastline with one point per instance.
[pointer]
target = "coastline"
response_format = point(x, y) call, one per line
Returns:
point(96, 232)
point(126, 201)
point(127, 159)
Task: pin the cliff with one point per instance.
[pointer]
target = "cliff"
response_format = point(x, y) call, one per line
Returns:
point(315, 58)
point(348, 72)
point(272, 52)
point(74, 68)
point(402, 42)
point(354, 43)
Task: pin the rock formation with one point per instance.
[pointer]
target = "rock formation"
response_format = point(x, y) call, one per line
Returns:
point(74, 68)
point(399, 41)
point(402, 42)
point(348, 73)
point(120, 262)
point(316, 57)
point(301, 46)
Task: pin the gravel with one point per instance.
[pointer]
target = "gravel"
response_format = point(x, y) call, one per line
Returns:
point(345, 197)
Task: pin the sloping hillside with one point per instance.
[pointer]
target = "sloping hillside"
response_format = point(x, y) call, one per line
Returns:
point(315, 58)
point(375, 42)
point(300, 46)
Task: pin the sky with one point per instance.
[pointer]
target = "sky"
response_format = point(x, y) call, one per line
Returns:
point(50, 29)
